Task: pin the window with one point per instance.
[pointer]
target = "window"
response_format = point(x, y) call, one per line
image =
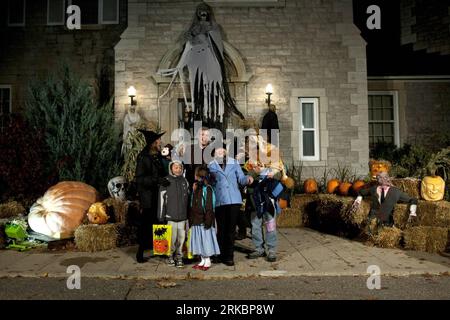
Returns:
point(309, 129)
point(5, 100)
point(98, 12)
point(55, 12)
point(16, 13)
point(88, 9)
point(383, 118)
point(108, 11)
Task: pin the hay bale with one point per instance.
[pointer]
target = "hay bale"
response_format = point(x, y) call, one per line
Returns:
point(117, 210)
point(401, 215)
point(290, 218)
point(301, 202)
point(11, 209)
point(433, 213)
point(388, 237)
point(429, 239)
point(410, 186)
point(358, 218)
point(96, 237)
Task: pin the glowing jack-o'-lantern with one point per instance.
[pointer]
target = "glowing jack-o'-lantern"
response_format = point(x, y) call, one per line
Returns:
point(97, 213)
point(432, 188)
point(378, 166)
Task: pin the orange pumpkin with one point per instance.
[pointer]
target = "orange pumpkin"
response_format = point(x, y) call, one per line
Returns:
point(282, 203)
point(62, 208)
point(333, 185)
point(344, 188)
point(310, 186)
point(358, 185)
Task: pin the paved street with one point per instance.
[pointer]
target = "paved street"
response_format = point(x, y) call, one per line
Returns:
point(302, 252)
point(410, 287)
point(310, 265)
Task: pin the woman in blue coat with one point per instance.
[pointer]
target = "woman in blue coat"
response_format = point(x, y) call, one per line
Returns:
point(227, 174)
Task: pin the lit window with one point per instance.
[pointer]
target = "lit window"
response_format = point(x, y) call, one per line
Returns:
point(309, 129)
point(383, 123)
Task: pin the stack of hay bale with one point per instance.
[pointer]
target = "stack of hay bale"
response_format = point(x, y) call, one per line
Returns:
point(119, 232)
point(294, 216)
point(331, 214)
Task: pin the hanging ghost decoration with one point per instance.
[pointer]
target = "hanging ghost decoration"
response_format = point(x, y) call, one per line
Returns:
point(204, 60)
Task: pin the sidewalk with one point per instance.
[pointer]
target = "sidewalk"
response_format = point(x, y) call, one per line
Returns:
point(302, 252)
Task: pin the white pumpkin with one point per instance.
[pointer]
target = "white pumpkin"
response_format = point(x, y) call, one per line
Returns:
point(62, 208)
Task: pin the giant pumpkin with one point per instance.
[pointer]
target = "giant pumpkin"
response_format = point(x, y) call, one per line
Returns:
point(62, 208)
point(432, 188)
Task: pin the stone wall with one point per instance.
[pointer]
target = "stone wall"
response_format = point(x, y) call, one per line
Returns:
point(426, 25)
point(38, 49)
point(424, 107)
point(301, 46)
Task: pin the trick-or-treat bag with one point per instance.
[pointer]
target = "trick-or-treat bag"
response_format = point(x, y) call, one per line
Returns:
point(162, 236)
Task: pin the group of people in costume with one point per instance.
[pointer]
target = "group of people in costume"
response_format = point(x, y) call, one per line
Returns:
point(209, 199)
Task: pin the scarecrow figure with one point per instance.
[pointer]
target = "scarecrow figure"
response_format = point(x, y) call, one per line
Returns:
point(204, 59)
point(384, 198)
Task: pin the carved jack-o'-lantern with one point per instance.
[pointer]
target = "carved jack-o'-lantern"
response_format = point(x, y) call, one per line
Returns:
point(432, 188)
point(97, 213)
point(378, 166)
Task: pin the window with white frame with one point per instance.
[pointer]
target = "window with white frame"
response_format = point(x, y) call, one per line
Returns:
point(56, 11)
point(98, 12)
point(383, 118)
point(5, 100)
point(309, 129)
point(16, 13)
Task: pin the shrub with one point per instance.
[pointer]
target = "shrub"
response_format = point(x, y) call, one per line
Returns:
point(80, 136)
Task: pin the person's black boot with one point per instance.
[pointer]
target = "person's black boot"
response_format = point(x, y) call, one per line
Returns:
point(140, 255)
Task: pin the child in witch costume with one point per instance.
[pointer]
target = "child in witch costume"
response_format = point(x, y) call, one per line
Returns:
point(173, 204)
point(203, 240)
point(149, 177)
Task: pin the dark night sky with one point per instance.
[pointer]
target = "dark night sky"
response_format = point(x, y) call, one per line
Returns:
point(385, 54)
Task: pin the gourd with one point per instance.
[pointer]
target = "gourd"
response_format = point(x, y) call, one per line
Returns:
point(332, 185)
point(310, 186)
point(357, 186)
point(344, 188)
point(62, 208)
point(282, 203)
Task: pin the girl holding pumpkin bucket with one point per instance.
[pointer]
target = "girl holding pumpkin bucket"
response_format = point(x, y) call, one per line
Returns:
point(203, 240)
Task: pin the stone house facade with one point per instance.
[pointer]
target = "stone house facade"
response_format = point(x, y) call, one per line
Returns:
point(310, 51)
point(35, 41)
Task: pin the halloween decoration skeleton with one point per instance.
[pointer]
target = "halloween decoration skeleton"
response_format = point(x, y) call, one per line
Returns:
point(204, 59)
point(117, 188)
